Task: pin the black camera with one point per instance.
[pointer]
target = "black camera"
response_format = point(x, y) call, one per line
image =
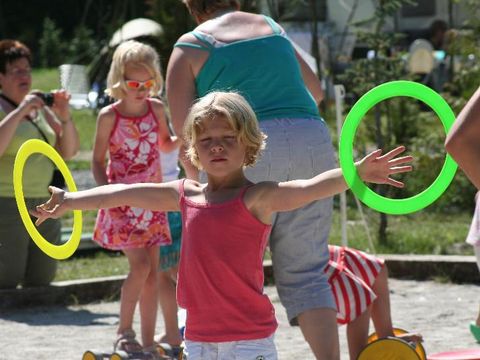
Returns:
point(47, 98)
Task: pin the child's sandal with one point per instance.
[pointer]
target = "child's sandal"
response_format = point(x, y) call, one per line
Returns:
point(170, 351)
point(153, 353)
point(126, 342)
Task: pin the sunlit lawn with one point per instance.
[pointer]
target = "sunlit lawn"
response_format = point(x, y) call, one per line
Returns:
point(422, 233)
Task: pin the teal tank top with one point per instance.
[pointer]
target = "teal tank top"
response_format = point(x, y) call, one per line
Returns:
point(264, 70)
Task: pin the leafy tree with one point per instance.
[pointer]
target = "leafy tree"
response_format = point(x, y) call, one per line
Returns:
point(83, 47)
point(393, 121)
point(175, 20)
point(51, 44)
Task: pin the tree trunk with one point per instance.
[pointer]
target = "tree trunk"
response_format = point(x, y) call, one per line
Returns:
point(314, 46)
point(382, 230)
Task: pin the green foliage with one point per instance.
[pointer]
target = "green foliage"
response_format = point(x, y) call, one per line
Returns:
point(51, 44)
point(425, 232)
point(54, 51)
point(83, 47)
point(464, 47)
point(429, 152)
point(175, 20)
point(389, 124)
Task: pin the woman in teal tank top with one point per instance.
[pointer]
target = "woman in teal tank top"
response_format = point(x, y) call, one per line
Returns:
point(231, 50)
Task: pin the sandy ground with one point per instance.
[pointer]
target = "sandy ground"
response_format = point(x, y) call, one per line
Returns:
point(441, 312)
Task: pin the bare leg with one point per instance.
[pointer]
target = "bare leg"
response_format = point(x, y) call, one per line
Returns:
point(357, 334)
point(168, 304)
point(138, 260)
point(476, 250)
point(319, 327)
point(148, 299)
point(381, 315)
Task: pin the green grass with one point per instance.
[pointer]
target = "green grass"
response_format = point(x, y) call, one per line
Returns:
point(85, 119)
point(78, 164)
point(45, 79)
point(421, 233)
point(97, 265)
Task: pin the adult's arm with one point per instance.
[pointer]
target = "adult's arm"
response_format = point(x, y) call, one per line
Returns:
point(9, 124)
point(181, 92)
point(311, 80)
point(463, 140)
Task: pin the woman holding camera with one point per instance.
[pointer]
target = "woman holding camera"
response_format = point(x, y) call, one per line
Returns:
point(24, 116)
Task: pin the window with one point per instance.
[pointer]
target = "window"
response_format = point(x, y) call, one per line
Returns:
point(422, 8)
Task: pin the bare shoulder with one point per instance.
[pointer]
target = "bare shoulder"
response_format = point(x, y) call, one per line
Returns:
point(260, 190)
point(106, 114)
point(258, 200)
point(157, 105)
point(191, 187)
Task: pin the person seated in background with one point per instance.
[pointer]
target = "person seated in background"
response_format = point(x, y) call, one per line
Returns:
point(359, 283)
point(436, 34)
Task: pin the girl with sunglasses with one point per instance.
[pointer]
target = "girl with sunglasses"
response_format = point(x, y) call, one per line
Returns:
point(133, 130)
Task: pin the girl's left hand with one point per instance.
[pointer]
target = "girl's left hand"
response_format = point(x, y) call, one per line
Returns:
point(61, 106)
point(377, 168)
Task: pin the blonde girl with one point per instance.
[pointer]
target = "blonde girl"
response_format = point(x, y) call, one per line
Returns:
point(226, 223)
point(132, 131)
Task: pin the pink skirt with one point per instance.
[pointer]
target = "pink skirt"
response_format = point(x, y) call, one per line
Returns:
point(128, 227)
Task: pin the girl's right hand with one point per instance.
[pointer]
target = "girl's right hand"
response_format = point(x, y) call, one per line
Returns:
point(53, 208)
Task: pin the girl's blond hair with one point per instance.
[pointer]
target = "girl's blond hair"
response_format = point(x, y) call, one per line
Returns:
point(136, 53)
point(236, 111)
point(206, 7)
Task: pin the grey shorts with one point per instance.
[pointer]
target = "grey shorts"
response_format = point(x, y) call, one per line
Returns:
point(298, 149)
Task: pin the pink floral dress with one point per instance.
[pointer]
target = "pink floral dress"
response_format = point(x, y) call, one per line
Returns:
point(134, 158)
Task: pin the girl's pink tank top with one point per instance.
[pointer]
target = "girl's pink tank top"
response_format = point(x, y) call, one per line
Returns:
point(220, 281)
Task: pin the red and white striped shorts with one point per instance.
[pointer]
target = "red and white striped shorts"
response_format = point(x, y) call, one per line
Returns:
point(351, 274)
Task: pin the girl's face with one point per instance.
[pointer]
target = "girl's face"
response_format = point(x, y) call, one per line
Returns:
point(17, 79)
point(138, 82)
point(219, 150)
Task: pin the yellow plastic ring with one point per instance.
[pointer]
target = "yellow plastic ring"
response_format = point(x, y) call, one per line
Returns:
point(28, 148)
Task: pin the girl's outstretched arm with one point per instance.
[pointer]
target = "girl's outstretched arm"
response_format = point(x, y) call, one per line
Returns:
point(151, 196)
point(374, 168)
